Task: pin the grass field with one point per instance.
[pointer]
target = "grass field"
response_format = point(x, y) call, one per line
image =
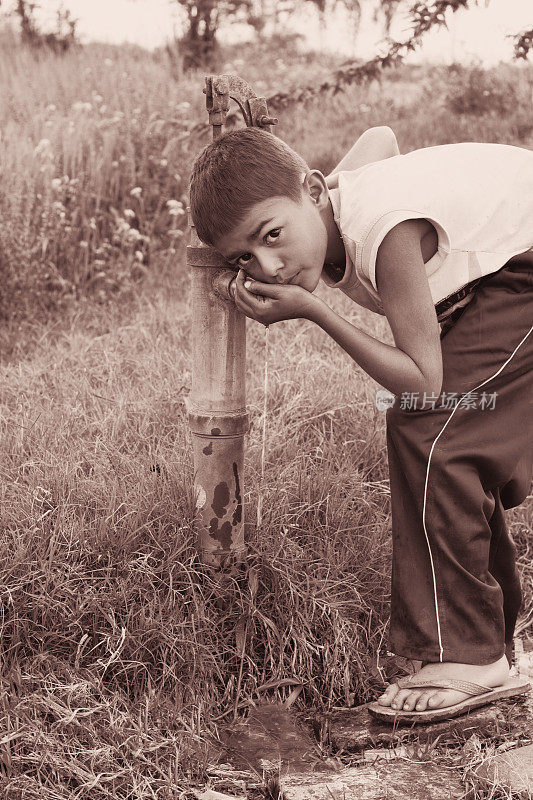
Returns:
point(120, 653)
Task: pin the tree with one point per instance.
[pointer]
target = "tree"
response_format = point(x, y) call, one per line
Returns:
point(386, 10)
point(203, 18)
point(60, 40)
point(424, 16)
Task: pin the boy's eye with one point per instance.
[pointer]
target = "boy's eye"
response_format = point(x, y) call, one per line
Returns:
point(243, 260)
point(246, 258)
point(272, 235)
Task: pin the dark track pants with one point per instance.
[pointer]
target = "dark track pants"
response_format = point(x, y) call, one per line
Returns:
point(453, 470)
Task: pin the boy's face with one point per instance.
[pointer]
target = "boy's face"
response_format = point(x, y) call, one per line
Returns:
point(279, 241)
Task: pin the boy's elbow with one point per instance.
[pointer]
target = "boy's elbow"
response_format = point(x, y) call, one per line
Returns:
point(432, 385)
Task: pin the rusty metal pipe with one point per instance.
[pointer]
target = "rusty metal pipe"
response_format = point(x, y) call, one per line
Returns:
point(217, 405)
point(218, 419)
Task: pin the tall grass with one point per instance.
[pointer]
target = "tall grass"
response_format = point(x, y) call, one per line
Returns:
point(120, 653)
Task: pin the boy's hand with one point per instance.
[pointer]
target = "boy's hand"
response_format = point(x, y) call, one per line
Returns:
point(271, 302)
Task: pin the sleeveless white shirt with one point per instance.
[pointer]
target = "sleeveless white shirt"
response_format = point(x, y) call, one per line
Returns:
point(479, 197)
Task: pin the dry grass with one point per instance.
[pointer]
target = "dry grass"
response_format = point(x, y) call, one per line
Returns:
point(98, 563)
point(120, 653)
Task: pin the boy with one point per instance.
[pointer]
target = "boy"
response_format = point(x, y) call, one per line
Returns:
point(441, 242)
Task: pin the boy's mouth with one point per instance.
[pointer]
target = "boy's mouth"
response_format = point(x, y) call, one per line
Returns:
point(287, 282)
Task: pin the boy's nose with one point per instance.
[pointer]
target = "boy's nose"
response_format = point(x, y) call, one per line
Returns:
point(272, 268)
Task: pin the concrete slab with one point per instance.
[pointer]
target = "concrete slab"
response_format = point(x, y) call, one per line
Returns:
point(383, 780)
point(355, 730)
point(510, 772)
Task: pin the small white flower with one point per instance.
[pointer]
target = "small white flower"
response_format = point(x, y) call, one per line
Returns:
point(114, 164)
point(97, 98)
point(163, 162)
point(175, 208)
point(51, 108)
point(129, 213)
point(122, 226)
point(136, 192)
point(84, 245)
point(139, 256)
point(56, 184)
point(108, 62)
point(81, 106)
point(43, 147)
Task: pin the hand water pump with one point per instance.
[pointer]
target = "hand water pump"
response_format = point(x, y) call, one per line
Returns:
point(217, 413)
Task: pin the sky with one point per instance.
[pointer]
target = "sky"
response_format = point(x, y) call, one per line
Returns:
point(476, 34)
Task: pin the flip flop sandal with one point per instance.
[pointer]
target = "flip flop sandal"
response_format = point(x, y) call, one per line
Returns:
point(479, 696)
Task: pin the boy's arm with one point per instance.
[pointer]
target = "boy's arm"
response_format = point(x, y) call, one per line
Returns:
point(415, 363)
point(374, 144)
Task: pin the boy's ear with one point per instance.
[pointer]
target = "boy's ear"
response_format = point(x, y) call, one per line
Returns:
point(314, 184)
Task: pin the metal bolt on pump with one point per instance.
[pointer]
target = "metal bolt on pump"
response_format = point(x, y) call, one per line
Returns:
point(218, 419)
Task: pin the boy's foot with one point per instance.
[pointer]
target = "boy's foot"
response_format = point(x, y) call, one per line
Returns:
point(426, 699)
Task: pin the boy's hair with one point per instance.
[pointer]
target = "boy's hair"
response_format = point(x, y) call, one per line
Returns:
point(236, 171)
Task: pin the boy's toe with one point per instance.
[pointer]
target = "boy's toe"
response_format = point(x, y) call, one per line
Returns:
point(388, 695)
point(401, 697)
point(422, 702)
point(441, 699)
point(410, 701)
